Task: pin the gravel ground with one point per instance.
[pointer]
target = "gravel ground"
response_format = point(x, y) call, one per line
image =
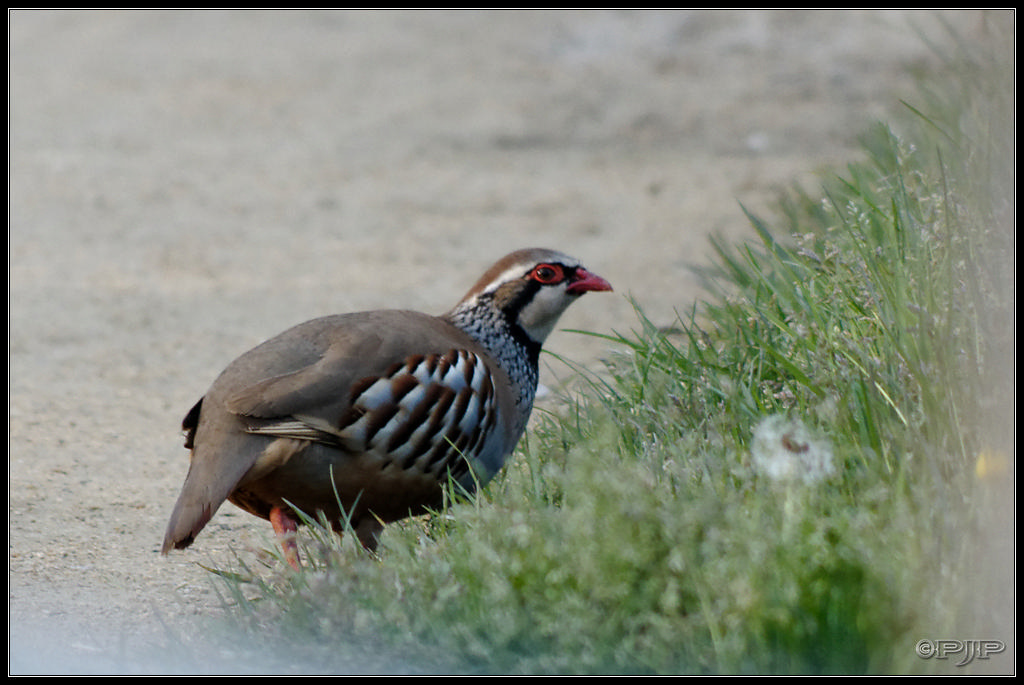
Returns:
point(184, 184)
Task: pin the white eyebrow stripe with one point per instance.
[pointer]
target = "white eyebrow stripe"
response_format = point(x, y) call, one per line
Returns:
point(521, 270)
point(507, 275)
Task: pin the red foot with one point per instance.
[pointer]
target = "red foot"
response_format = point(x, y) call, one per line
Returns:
point(285, 527)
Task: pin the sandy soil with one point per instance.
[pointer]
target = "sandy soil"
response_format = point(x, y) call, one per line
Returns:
point(185, 184)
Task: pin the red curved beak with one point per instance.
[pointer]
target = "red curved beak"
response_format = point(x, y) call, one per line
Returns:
point(584, 281)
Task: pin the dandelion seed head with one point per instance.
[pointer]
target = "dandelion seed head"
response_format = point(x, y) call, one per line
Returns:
point(785, 450)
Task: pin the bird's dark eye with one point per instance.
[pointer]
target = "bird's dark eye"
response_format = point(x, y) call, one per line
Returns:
point(547, 274)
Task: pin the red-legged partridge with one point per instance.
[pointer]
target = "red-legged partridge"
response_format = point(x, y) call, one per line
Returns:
point(370, 415)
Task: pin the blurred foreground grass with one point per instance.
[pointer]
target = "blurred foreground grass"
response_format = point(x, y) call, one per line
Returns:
point(807, 473)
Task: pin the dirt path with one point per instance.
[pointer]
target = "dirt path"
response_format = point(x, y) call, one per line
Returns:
point(184, 184)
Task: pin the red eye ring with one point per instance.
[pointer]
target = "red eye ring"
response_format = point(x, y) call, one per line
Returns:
point(547, 274)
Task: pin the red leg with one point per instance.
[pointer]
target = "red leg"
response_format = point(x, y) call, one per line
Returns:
point(285, 527)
